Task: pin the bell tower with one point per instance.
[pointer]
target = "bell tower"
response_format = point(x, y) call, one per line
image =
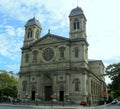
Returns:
point(78, 36)
point(32, 31)
point(77, 24)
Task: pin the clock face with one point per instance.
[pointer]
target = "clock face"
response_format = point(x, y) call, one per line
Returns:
point(48, 54)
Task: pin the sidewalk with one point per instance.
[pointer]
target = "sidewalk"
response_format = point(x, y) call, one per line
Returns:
point(55, 107)
point(44, 107)
point(70, 107)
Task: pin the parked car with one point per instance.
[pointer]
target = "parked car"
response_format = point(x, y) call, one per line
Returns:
point(114, 101)
point(83, 103)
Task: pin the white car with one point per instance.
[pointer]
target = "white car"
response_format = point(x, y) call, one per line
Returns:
point(114, 101)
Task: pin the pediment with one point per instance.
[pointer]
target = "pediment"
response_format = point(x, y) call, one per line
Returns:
point(49, 38)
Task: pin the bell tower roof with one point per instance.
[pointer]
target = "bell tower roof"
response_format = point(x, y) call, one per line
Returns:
point(77, 23)
point(32, 31)
point(33, 21)
point(76, 11)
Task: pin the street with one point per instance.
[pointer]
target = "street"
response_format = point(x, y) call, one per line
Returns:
point(113, 107)
point(15, 107)
point(28, 107)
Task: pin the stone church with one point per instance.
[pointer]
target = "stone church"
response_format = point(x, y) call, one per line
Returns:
point(58, 67)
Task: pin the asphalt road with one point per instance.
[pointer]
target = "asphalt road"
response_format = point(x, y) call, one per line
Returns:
point(15, 107)
point(26, 107)
point(114, 106)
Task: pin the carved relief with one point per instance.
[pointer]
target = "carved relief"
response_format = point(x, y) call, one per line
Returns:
point(49, 39)
point(61, 78)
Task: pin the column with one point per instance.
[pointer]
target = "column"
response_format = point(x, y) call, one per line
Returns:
point(67, 81)
point(84, 86)
point(54, 82)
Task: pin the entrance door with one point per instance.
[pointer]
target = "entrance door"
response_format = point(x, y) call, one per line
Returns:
point(33, 95)
point(61, 95)
point(48, 92)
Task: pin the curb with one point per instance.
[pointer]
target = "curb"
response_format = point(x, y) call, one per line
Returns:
point(54, 107)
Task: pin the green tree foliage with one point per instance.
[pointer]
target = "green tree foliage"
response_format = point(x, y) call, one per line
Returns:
point(113, 71)
point(8, 85)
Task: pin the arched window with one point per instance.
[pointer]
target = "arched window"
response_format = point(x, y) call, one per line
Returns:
point(26, 58)
point(29, 33)
point(76, 52)
point(62, 49)
point(37, 35)
point(92, 87)
point(76, 82)
point(76, 25)
point(35, 56)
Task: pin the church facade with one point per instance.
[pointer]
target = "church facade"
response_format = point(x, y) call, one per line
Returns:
point(57, 67)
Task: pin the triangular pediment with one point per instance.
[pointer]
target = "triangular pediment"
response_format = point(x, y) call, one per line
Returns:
point(50, 38)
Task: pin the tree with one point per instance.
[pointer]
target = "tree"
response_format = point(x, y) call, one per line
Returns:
point(113, 71)
point(8, 85)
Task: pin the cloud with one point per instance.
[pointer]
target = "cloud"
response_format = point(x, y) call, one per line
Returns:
point(20, 32)
point(23, 10)
point(111, 60)
point(11, 42)
point(9, 30)
point(13, 67)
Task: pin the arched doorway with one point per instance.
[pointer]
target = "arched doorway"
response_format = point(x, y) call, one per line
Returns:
point(47, 88)
point(61, 92)
point(48, 93)
point(33, 92)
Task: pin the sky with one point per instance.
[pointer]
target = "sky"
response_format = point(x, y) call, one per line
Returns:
point(103, 27)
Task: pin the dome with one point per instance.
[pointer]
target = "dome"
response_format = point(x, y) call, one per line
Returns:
point(33, 21)
point(76, 11)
